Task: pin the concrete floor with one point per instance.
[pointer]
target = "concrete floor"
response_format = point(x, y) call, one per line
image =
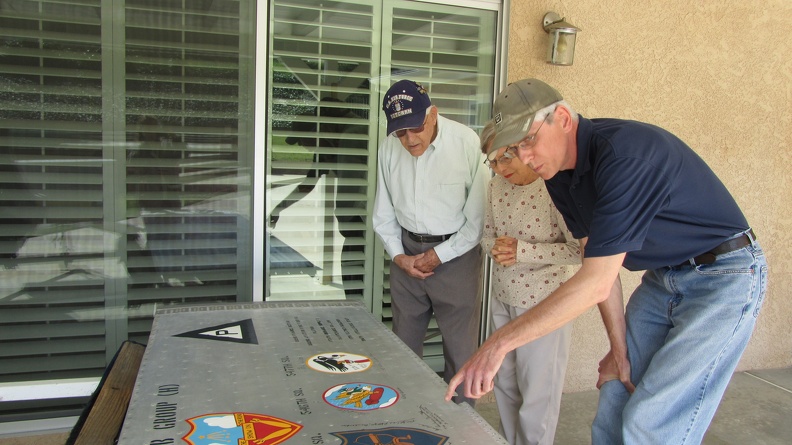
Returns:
point(756, 410)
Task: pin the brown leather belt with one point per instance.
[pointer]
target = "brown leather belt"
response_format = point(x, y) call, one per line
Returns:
point(726, 247)
point(419, 238)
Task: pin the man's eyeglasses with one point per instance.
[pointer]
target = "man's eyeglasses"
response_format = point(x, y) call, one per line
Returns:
point(401, 133)
point(529, 140)
point(506, 159)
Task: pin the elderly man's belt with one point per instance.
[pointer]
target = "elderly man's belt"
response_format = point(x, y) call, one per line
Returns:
point(726, 247)
point(419, 238)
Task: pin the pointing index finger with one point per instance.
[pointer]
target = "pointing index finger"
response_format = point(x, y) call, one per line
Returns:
point(452, 386)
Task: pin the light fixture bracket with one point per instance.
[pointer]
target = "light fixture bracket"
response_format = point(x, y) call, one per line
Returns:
point(553, 21)
point(549, 19)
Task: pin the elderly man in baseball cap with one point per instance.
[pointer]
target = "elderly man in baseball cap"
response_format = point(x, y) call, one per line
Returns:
point(637, 197)
point(429, 211)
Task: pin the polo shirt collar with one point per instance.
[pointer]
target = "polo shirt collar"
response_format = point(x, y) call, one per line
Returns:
point(583, 162)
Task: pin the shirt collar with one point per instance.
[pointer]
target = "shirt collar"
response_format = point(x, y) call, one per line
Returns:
point(583, 163)
point(439, 137)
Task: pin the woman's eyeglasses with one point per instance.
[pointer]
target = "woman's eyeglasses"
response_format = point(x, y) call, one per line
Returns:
point(506, 159)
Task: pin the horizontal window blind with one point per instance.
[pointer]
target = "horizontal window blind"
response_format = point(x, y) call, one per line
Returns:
point(187, 202)
point(322, 143)
point(56, 254)
point(125, 151)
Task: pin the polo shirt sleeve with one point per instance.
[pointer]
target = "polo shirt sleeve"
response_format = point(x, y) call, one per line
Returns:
point(632, 188)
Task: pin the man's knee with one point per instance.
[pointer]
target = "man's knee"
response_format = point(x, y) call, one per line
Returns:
point(607, 425)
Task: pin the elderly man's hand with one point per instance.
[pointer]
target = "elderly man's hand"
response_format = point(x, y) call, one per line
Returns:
point(428, 261)
point(407, 264)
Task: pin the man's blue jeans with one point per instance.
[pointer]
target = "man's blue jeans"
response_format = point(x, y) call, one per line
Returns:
point(686, 330)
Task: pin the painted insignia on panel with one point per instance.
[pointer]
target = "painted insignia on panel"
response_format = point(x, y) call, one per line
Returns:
point(391, 436)
point(361, 396)
point(241, 331)
point(239, 429)
point(338, 362)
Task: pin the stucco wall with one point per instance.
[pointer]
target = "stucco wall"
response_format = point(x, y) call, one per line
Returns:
point(716, 73)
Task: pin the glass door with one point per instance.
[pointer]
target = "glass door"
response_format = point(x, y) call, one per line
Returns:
point(331, 61)
point(321, 149)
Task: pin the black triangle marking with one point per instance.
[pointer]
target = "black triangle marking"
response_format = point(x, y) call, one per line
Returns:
point(236, 332)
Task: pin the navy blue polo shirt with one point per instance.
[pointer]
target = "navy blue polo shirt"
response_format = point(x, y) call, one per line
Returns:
point(637, 188)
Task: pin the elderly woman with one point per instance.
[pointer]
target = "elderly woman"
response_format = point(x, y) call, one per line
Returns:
point(533, 253)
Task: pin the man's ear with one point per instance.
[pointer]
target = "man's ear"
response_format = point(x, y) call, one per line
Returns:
point(565, 117)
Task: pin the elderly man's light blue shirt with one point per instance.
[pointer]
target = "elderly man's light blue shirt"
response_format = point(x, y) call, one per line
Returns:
point(440, 192)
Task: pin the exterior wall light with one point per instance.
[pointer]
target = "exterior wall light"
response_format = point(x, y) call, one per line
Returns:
point(561, 41)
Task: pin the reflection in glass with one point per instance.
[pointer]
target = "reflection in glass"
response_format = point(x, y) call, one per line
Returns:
point(330, 62)
point(124, 181)
point(321, 143)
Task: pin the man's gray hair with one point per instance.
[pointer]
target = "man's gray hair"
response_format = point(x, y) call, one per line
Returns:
point(547, 112)
point(488, 132)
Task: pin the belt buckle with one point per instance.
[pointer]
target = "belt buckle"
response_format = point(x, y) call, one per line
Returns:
point(417, 237)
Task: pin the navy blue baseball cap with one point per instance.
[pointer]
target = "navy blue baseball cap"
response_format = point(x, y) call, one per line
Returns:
point(405, 105)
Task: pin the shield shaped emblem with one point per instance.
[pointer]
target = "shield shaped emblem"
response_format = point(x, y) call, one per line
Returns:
point(391, 436)
point(239, 428)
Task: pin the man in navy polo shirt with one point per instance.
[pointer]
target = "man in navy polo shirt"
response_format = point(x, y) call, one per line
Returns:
point(638, 197)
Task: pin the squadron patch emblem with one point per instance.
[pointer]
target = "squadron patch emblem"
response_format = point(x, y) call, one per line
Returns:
point(391, 436)
point(241, 331)
point(361, 396)
point(239, 429)
point(338, 362)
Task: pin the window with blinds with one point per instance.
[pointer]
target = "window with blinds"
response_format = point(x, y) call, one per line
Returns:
point(331, 63)
point(125, 148)
point(322, 144)
point(187, 74)
point(57, 254)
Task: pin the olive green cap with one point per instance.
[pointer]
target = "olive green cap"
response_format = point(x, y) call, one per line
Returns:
point(515, 108)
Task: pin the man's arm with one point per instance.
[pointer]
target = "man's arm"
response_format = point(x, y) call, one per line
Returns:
point(615, 365)
point(591, 285)
point(388, 228)
point(469, 235)
point(384, 220)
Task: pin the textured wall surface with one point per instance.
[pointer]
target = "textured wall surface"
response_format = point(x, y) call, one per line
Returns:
point(716, 73)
